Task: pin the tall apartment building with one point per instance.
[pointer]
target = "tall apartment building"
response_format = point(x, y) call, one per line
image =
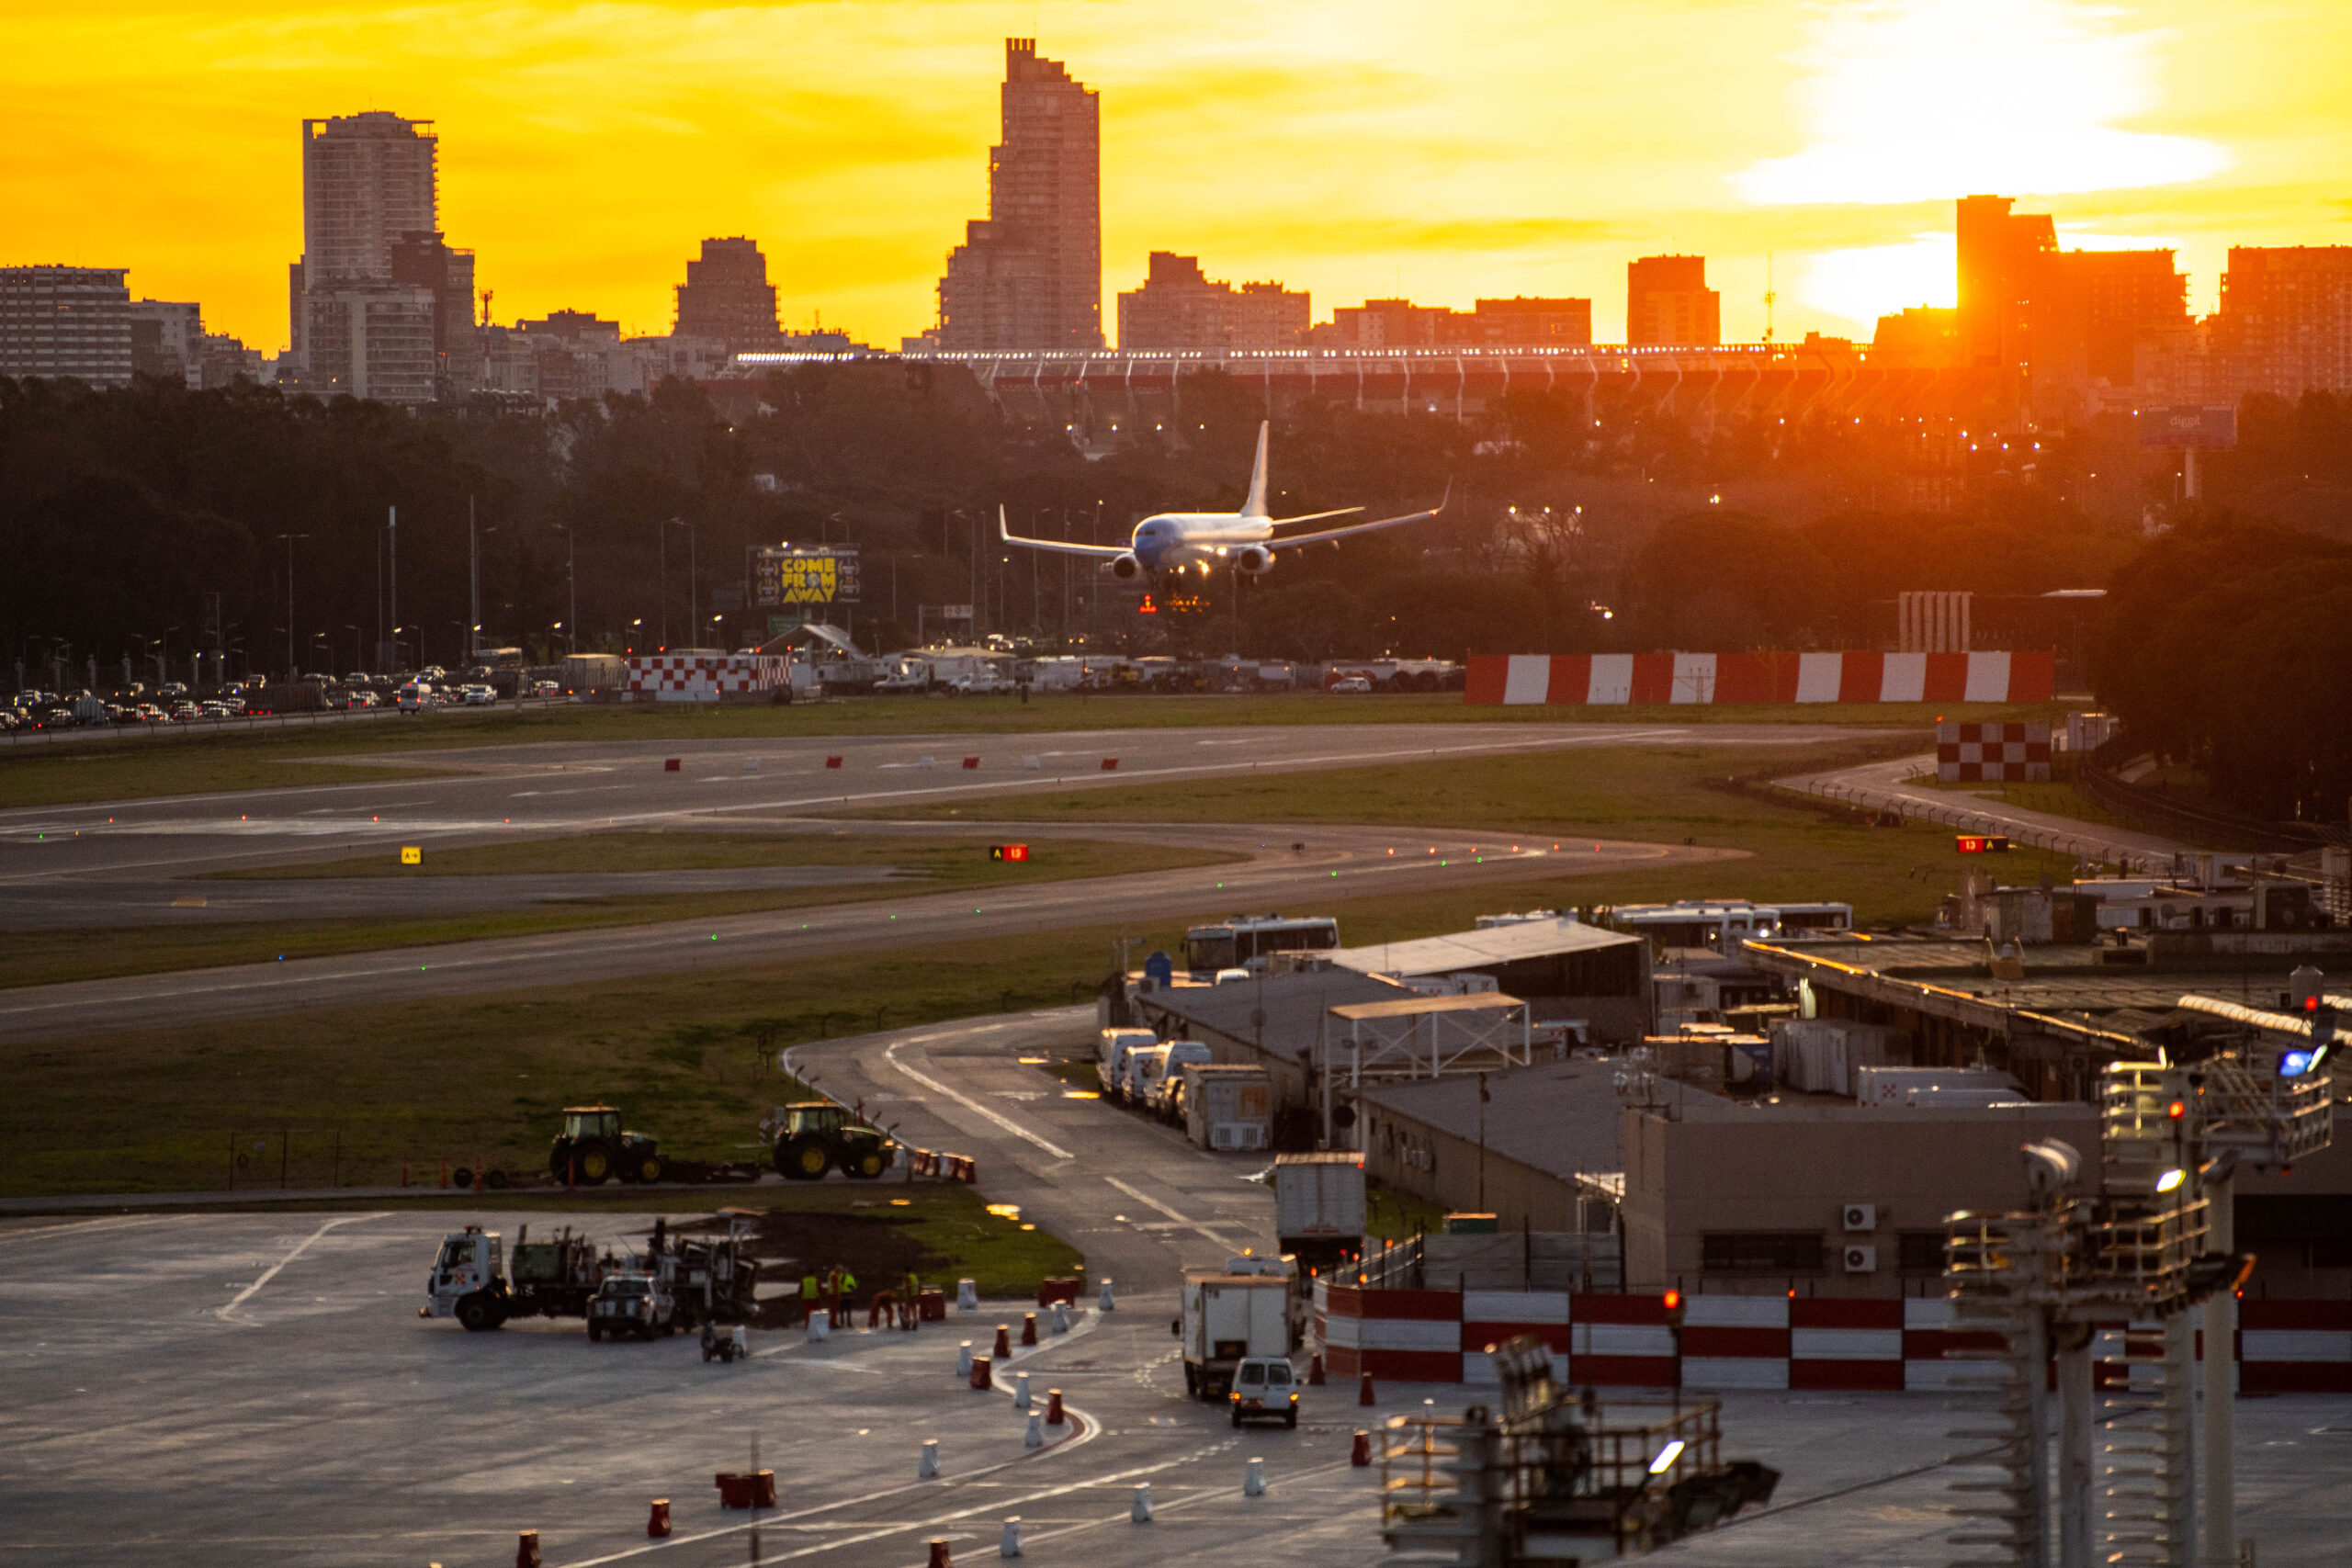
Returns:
point(1667, 303)
point(422, 259)
point(727, 295)
point(2285, 325)
point(369, 191)
point(2002, 256)
point(1029, 276)
point(167, 341)
point(65, 321)
point(1179, 307)
point(2098, 311)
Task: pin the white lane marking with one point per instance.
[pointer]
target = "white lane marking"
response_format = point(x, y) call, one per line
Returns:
point(93, 1227)
point(1208, 1228)
point(271, 1273)
point(1007, 1122)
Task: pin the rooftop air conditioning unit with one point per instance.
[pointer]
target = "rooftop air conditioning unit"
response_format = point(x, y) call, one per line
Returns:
point(1861, 1261)
point(1859, 1216)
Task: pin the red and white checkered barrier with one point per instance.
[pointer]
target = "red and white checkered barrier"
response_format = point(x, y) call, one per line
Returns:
point(2014, 753)
point(1607, 680)
point(703, 677)
point(1890, 1344)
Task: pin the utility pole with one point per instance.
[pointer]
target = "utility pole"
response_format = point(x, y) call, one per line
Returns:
point(293, 671)
point(393, 530)
point(571, 590)
point(473, 586)
point(662, 536)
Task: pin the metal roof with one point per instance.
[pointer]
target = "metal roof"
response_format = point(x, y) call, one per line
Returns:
point(1557, 1117)
point(1293, 1006)
point(1478, 949)
point(1413, 1006)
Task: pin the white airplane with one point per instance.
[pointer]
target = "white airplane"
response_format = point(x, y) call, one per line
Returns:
point(1169, 542)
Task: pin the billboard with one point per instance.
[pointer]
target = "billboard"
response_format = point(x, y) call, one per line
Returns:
point(787, 577)
point(2188, 426)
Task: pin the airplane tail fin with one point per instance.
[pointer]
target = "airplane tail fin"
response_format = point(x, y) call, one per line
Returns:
point(1256, 505)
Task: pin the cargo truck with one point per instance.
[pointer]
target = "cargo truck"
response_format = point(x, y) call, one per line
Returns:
point(1226, 1318)
point(1319, 1207)
point(1229, 1107)
point(550, 1279)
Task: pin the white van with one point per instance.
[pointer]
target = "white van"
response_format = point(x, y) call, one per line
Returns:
point(1111, 1048)
point(1145, 1067)
point(415, 697)
point(1165, 1100)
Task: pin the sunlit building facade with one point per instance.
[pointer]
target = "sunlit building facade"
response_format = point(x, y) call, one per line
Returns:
point(370, 195)
point(1180, 307)
point(2285, 323)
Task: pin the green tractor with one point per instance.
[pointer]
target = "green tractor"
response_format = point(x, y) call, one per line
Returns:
point(815, 1137)
point(592, 1149)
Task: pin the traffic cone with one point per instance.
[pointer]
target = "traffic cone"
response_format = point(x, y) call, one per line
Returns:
point(1360, 1454)
point(1003, 1341)
point(1364, 1394)
point(1315, 1372)
point(657, 1527)
point(938, 1558)
point(980, 1372)
point(526, 1550)
point(1054, 1408)
point(1028, 1329)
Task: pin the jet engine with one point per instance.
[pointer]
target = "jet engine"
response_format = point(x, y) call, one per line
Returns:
point(1254, 560)
point(1125, 567)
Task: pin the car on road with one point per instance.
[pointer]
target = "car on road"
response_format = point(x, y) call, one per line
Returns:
point(632, 1303)
point(479, 697)
point(1348, 684)
point(545, 689)
point(1264, 1389)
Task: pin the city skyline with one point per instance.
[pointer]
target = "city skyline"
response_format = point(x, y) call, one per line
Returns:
point(1437, 170)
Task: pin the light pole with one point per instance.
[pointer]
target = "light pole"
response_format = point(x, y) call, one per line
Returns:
point(292, 672)
point(392, 550)
point(693, 594)
point(473, 588)
point(571, 589)
point(354, 646)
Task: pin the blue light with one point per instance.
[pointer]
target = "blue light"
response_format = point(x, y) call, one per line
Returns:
point(2294, 1064)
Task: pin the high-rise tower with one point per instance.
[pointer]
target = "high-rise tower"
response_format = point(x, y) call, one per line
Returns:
point(727, 295)
point(1029, 276)
point(370, 189)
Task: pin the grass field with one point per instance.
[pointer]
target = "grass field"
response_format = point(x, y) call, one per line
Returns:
point(53, 957)
point(165, 763)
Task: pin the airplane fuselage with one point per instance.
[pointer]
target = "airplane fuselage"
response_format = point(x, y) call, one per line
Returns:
point(1180, 541)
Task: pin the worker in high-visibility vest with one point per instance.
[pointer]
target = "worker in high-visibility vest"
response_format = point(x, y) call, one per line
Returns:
point(808, 1294)
point(843, 1306)
point(910, 1300)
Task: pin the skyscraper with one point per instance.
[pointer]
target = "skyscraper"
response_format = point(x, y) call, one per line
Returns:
point(727, 297)
point(2003, 267)
point(1029, 276)
point(369, 184)
point(1668, 302)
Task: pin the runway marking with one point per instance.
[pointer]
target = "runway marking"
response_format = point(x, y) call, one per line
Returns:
point(90, 1227)
point(1207, 1228)
point(271, 1273)
point(1007, 1122)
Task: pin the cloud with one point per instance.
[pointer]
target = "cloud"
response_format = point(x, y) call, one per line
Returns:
point(1919, 99)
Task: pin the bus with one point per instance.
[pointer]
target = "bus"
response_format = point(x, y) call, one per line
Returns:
point(1249, 942)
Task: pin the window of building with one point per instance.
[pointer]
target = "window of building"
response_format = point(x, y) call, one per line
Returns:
point(1919, 1252)
point(1761, 1252)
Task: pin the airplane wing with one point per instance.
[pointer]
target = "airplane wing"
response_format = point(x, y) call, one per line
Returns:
point(1327, 535)
point(1314, 516)
point(1061, 547)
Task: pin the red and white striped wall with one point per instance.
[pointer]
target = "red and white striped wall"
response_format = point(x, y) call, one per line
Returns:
point(703, 677)
point(1606, 679)
point(1766, 1341)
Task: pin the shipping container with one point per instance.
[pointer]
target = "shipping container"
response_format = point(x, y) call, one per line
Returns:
point(1229, 1107)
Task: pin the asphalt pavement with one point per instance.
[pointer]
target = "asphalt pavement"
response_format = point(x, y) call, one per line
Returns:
point(1887, 786)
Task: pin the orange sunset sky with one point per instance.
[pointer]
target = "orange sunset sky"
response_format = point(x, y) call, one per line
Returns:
point(1349, 149)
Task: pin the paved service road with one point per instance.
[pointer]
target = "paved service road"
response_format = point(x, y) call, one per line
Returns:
point(1887, 786)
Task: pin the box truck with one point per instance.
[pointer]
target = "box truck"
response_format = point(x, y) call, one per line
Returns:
point(1226, 1318)
point(1318, 1207)
point(1229, 1107)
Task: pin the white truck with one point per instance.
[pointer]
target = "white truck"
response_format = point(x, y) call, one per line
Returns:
point(1319, 1207)
point(1111, 1048)
point(1139, 1085)
point(1226, 1318)
point(1229, 1107)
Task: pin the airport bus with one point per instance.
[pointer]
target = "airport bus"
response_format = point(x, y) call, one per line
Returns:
point(1250, 942)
